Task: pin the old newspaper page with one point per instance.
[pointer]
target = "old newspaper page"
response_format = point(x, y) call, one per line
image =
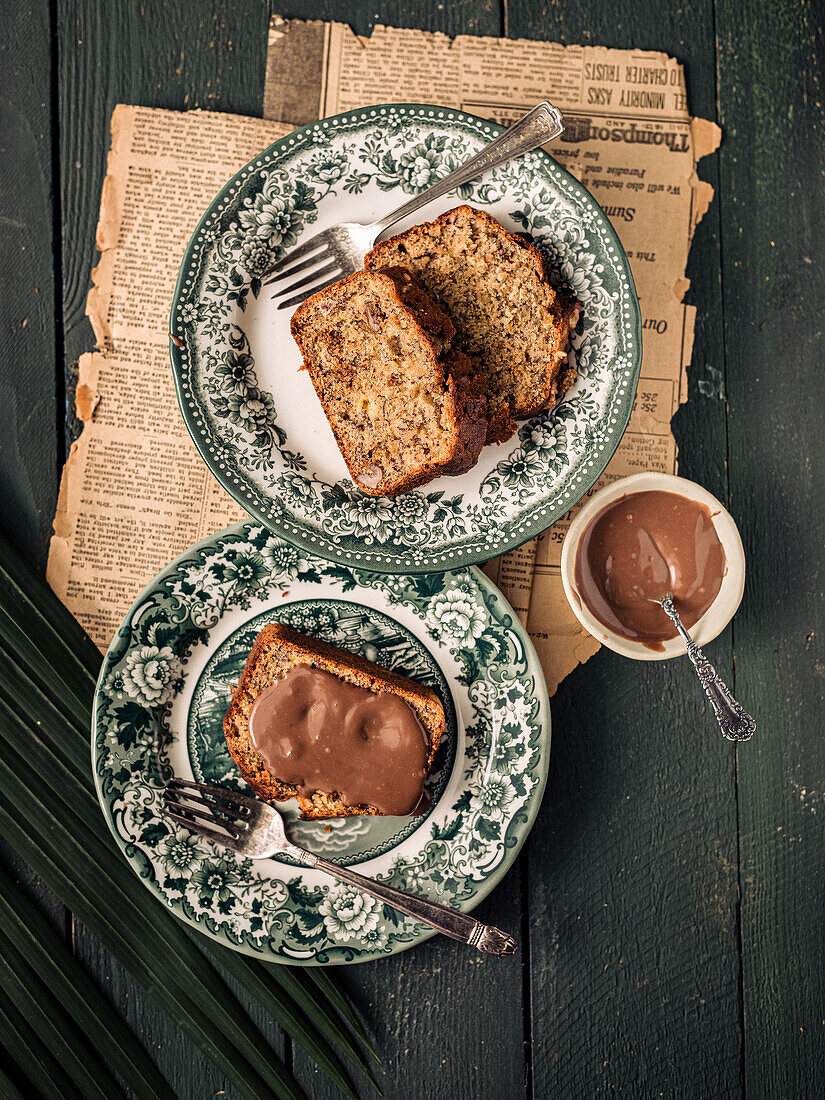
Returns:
point(135, 492)
point(628, 138)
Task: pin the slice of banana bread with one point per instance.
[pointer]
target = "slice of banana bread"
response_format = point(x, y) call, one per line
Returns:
point(277, 650)
point(405, 406)
point(495, 288)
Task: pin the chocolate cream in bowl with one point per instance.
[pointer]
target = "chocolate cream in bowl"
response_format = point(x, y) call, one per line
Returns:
point(636, 550)
point(319, 733)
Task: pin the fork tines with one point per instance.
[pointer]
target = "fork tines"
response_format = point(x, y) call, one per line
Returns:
point(332, 270)
point(216, 812)
point(312, 245)
point(225, 794)
point(278, 273)
point(323, 268)
point(313, 282)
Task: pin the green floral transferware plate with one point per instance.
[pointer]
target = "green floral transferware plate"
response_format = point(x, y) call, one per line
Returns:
point(166, 683)
point(257, 421)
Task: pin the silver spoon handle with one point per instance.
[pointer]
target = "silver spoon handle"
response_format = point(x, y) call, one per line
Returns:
point(459, 926)
point(538, 126)
point(735, 722)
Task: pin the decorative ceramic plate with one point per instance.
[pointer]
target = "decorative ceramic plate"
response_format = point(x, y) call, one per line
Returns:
point(166, 683)
point(257, 421)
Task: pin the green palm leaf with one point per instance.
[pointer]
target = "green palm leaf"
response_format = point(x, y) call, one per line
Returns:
point(338, 1001)
point(24, 927)
point(313, 987)
point(149, 942)
point(27, 1053)
point(40, 1010)
point(38, 607)
point(265, 989)
point(10, 1091)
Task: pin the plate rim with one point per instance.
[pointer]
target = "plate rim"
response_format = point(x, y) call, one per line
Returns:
point(529, 528)
point(485, 887)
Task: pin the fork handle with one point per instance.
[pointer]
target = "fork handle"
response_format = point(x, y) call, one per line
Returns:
point(459, 926)
point(536, 127)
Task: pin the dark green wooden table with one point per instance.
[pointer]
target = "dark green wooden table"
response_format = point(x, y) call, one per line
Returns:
point(670, 899)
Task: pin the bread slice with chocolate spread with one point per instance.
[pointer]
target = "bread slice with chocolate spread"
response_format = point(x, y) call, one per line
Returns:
point(278, 649)
point(404, 404)
point(494, 287)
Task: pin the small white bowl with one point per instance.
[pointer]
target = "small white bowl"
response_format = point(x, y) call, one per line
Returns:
point(728, 598)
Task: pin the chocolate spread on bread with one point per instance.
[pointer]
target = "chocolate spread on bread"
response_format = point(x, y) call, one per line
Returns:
point(638, 549)
point(317, 732)
point(277, 649)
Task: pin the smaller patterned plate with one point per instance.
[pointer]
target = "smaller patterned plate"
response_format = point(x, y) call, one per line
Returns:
point(167, 680)
point(253, 413)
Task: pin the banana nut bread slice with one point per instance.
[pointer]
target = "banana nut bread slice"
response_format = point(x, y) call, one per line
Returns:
point(494, 286)
point(405, 406)
point(278, 649)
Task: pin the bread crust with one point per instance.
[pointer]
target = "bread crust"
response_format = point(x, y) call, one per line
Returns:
point(282, 647)
point(464, 390)
point(502, 419)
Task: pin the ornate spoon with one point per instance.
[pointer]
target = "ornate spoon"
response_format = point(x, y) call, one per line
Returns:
point(736, 724)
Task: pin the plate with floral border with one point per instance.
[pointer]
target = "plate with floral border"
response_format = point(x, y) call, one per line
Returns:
point(254, 415)
point(166, 682)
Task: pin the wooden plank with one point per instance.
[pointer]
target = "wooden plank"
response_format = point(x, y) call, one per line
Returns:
point(464, 17)
point(773, 221)
point(632, 864)
point(28, 405)
point(28, 381)
point(167, 54)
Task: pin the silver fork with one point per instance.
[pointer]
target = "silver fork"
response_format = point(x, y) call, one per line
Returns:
point(255, 829)
point(340, 250)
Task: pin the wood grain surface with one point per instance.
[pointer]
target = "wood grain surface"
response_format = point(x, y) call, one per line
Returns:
point(773, 222)
point(668, 901)
point(29, 393)
point(31, 405)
